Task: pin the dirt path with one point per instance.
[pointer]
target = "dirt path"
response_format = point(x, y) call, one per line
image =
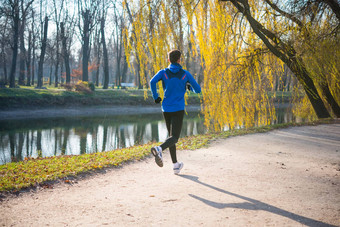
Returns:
point(287, 177)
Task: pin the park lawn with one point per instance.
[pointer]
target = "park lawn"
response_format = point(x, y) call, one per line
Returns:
point(30, 92)
point(28, 96)
point(34, 172)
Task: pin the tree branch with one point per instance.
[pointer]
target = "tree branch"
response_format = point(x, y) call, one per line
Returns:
point(260, 30)
point(285, 14)
point(334, 5)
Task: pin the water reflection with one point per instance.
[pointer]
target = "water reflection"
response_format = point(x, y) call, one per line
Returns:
point(74, 136)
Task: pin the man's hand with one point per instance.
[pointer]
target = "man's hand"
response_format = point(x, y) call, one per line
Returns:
point(189, 87)
point(158, 100)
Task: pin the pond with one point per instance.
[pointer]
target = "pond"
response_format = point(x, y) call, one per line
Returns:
point(51, 136)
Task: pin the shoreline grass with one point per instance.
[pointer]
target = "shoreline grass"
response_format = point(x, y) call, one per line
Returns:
point(30, 97)
point(32, 173)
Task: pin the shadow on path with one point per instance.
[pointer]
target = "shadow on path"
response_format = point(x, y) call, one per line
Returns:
point(252, 204)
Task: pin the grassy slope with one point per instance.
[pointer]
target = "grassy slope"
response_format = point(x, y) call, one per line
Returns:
point(23, 97)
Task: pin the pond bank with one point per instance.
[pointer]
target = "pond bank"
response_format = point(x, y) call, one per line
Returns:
point(84, 111)
point(22, 98)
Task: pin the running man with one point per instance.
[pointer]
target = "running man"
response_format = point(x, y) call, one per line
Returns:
point(175, 82)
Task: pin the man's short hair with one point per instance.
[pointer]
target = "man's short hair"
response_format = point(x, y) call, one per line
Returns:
point(174, 55)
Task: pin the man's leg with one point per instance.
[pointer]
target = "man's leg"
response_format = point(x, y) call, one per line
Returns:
point(174, 122)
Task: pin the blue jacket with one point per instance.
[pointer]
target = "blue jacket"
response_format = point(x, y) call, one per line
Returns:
point(174, 80)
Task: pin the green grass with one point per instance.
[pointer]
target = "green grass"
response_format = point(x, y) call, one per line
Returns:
point(33, 172)
point(28, 96)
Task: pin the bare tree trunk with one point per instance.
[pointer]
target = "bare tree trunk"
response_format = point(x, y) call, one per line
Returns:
point(4, 43)
point(4, 64)
point(65, 53)
point(51, 70)
point(118, 73)
point(42, 55)
point(106, 60)
point(119, 57)
point(28, 59)
point(179, 17)
point(302, 75)
point(22, 59)
point(125, 67)
point(56, 79)
point(33, 60)
point(329, 98)
point(61, 72)
point(86, 44)
point(97, 54)
point(33, 49)
point(57, 19)
point(16, 19)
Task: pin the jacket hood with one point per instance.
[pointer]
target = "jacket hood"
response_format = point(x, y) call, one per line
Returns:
point(174, 67)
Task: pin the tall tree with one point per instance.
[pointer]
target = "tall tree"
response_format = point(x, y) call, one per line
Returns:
point(33, 47)
point(134, 39)
point(308, 38)
point(65, 53)
point(97, 52)
point(118, 43)
point(67, 31)
point(87, 11)
point(22, 56)
point(28, 59)
point(15, 16)
point(57, 17)
point(105, 55)
point(4, 41)
point(287, 53)
point(86, 43)
point(42, 54)
point(17, 10)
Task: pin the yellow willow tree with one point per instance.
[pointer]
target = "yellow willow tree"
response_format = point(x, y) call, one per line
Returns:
point(236, 77)
point(135, 40)
point(279, 39)
point(321, 52)
point(237, 70)
point(155, 29)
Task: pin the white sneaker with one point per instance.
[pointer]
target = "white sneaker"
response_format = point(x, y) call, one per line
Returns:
point(177, 167)
point(157, 152)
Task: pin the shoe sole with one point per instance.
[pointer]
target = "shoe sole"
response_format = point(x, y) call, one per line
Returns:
point(177, 171)
point(158, 160)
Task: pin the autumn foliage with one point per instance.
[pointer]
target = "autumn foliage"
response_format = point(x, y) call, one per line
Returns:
point(77, 73)
point(237, 69)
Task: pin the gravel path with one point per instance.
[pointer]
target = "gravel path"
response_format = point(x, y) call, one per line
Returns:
point(286, 177)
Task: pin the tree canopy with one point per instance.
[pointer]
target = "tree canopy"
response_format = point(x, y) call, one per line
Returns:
point(238, 50)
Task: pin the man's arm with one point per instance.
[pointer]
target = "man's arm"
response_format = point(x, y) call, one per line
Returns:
point(153, 83)
point(195, 86)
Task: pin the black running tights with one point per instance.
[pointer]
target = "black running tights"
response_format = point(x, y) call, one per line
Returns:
point(174, 121)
